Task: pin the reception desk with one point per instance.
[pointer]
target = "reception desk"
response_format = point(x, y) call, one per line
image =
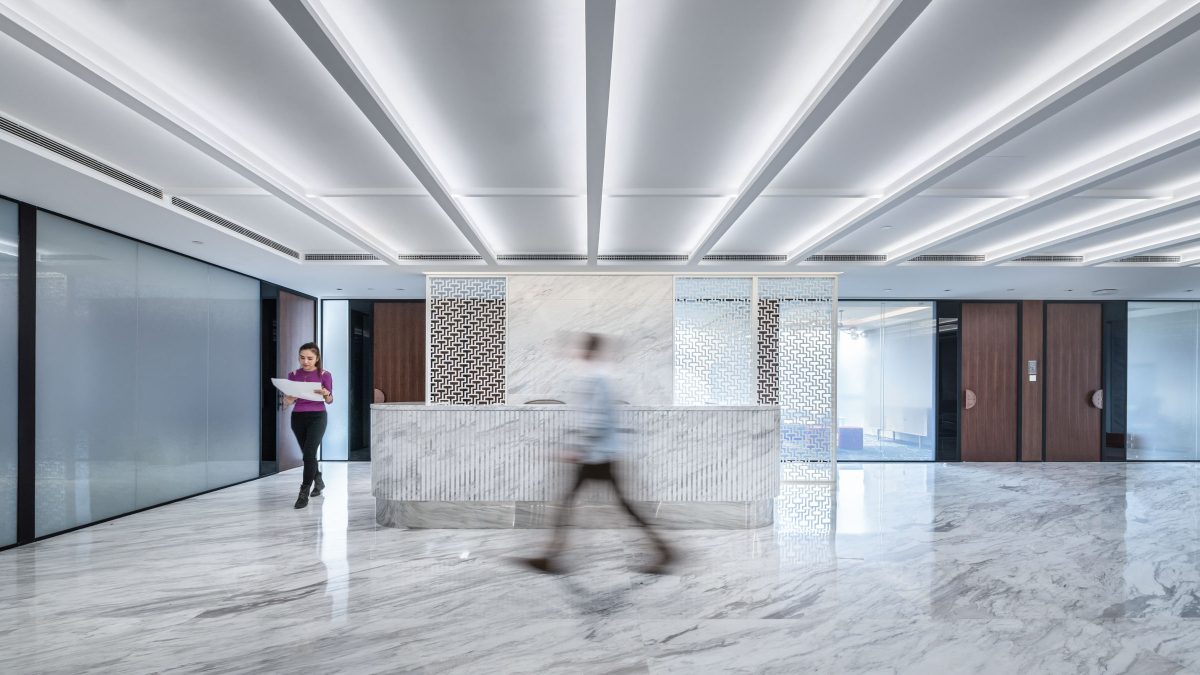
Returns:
point(498, 466)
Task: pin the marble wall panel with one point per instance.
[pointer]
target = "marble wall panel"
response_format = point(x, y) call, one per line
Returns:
point(546, 311)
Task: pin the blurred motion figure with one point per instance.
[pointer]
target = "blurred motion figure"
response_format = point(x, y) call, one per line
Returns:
point(596, 454)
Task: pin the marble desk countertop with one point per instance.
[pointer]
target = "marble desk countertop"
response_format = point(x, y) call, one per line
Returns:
point(557, 406)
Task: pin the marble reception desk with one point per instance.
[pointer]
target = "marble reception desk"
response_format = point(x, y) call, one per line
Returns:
point(497, 466)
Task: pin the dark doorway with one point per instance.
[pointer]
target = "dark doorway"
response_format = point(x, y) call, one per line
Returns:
point(361, 379)
point(989, 380)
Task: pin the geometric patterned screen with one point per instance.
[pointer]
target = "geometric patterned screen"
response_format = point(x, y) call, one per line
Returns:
point(715, 345)
point(466, 319)
point(797, 362)
point(765, 340)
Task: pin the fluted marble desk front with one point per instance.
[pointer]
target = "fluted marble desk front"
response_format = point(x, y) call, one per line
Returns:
point(451, 466)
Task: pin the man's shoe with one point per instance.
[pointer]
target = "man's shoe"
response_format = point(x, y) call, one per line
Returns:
point(302, 500)
point(318, 486)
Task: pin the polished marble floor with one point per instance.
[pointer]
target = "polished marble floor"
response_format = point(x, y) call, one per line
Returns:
point(921, 568)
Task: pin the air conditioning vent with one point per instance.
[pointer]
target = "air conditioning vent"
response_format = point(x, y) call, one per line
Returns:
point(233, 227)
point(518, 257)
point(948, 257)
point(744, 257)
point(92, 163)
point(1151, 259)
point(439, 257)
point(643, 257)
point(341, 257)
point(1051, 259)
point(846, 257)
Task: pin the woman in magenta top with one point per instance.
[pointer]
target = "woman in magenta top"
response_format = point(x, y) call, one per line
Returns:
point(309, 419)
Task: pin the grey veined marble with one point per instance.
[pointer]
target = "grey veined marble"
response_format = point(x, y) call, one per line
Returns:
point(917, 569)
point(547, 311)
point(501, 466)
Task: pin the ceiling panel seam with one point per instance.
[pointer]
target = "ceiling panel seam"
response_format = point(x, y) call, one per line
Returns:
point(600, 18)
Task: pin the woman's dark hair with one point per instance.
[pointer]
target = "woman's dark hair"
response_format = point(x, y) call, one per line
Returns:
point(592, 344)
point(312, 347)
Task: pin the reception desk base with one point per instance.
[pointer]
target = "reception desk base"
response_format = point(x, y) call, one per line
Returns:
point(533, 515)
point(694, 467)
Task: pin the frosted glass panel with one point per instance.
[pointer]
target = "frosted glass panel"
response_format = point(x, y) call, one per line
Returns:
point(715, 343)
point(8, 375)
point(885, 381)
point(172, 374)
point(1164, 381)
point(335, 357)
point(86, 375)
point(234, 385)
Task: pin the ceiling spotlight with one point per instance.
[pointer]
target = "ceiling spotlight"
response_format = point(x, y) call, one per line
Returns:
point(887, 290)
point(1188, 291)
point(1010, 290)
point(370, 289)
point(945, 290)
point(1105, 291)
point(339, 289)
point(399, 289)
point(197, 241)
point(886, 227)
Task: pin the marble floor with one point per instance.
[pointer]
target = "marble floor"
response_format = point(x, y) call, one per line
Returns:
point(921, 568)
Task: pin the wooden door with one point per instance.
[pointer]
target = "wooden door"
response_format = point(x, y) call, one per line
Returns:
point(989, 382)
point(399, 341)
point(1073, 374)
point(297, 325)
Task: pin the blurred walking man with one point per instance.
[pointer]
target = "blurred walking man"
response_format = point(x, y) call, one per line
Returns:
point(596, 455)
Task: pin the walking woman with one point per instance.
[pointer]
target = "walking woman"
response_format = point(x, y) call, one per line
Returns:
point(309, 419)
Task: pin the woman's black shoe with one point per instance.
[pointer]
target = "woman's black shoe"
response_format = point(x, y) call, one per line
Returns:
point(302, 500)
point(318, 486)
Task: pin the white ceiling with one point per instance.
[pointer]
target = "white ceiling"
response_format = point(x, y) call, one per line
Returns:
point(479, 131)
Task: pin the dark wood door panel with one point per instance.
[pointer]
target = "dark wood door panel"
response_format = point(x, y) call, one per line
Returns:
point(989, 372)
point(399, 341)
point(1074, 344)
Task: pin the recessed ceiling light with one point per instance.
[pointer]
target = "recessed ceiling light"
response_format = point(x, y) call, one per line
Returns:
point(197, 241)
point(1070, 290)
point(886, 227)
point(339, 289)
point(945, 290)
point(1188, 291)
point(887, 290)
point(399, 289)
point(1010, 290)
point(1104, 291)
point(370, 289)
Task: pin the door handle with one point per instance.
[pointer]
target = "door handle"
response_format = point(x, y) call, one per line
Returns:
point(1098, 399)
point(969, 399)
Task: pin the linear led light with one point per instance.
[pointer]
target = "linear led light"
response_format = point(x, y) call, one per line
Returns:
point(1061, 233)
point(1139, 42)
point(1129, 157)
point(1137, 245)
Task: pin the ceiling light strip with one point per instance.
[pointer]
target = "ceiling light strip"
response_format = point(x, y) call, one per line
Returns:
point(600, 22)
point(876, 37)
point(157, 107)
point(1155, 148)
point(318, 32)
point(1143, 40)
point(1181, 234)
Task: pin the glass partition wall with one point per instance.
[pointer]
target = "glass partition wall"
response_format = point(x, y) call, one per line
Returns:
point(886, 381)
point(1164, 381)
point(8, 375)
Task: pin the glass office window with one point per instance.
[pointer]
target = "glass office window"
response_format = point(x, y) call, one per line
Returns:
point(234, 377)
point(8, 375)
point(1164, 381)
point(87, 320)
point(886, 381)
